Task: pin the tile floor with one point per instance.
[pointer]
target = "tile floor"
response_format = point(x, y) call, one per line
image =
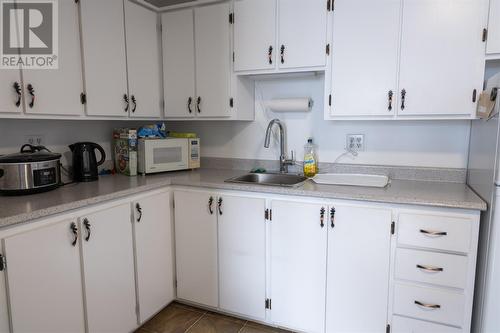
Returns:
point(180, 318)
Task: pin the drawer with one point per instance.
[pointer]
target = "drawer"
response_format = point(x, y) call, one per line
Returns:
point(429, 267)
point(440, 232)
point(427, 303)
point(408, 325)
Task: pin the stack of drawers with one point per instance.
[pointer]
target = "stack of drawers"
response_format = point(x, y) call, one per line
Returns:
point(434, 272)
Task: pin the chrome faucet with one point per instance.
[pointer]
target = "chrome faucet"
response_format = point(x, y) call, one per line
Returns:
point(284, 161)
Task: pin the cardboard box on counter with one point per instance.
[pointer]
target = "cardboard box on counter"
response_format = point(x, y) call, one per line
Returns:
point(125, 151)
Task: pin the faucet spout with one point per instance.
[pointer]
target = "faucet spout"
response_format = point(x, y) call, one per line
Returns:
point(284, 161)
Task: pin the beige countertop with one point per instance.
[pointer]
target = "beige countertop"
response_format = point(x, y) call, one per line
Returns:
point(21, 209)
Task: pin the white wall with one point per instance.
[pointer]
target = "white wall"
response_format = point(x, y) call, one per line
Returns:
point(409, 143)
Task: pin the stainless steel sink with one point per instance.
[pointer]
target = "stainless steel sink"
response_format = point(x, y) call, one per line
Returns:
point(271, 179)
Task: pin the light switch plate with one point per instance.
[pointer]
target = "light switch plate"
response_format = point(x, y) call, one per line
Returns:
point(355, 142)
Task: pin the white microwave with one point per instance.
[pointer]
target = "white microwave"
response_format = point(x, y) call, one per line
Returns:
point(161, 155)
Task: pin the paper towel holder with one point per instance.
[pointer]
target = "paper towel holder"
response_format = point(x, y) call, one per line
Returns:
point(302, 104)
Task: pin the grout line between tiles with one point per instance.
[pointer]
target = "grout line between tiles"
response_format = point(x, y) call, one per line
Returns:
point(196, 322)
point(242, 327)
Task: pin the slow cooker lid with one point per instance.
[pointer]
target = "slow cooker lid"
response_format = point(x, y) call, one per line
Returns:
point(29, 155)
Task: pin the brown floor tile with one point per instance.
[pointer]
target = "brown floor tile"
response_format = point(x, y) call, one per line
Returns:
point(173, 319)
point(226, 317)
point(252, 327)
point(187, 307)
point(213, 324)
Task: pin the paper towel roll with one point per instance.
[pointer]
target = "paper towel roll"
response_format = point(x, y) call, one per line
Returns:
point(290, 104)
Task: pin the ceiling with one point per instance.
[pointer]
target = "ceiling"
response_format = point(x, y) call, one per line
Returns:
point(164, 3)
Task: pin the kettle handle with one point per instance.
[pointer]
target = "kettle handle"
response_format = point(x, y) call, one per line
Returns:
point(103, 154)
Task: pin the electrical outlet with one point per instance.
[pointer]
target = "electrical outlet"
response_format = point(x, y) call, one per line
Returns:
point(355, 142)
point(35, 139)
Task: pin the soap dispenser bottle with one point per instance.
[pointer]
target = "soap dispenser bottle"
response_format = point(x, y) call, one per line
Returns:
point(310, 159)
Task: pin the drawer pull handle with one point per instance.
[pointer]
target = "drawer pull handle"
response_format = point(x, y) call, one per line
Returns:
point(428, 306)
point(433, 233)
point(430, 268)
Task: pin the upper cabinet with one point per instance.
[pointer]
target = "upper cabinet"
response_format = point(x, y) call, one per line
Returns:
point(434, 49)
point(364, 73)
point(290, 35)
point(494, 28)
point(103, 36)
point(143, 61)
point(197, 83)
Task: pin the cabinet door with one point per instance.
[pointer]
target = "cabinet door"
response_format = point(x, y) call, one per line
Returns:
point(359, 245)
point(57, 91)
point(104, 62)
point(143, 60)
point(302, 33)
point(298, 265)
point(196, 247)
point(10, 99)
point(108, 264)
point(494, 28)
point(212, 60)
point(44, 280)
point(242, 255)
point(442, 57)
point(254, 40)
point(178, 63)
point(365, 57)
point(153, 253)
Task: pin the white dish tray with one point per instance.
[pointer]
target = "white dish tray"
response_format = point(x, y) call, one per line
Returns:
point(351, 179)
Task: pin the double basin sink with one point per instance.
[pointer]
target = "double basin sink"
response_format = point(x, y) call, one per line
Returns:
point(291, 180)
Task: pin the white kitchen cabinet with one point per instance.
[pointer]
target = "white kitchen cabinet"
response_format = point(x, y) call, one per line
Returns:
point(44, 279)
point(408, 325)
point(153, 253)
point(493, 46)
point(365, 57)
point(143, 61)
point(178, 63)
point(442, 58)
point(10, 98)
point(298, 265)
point(242, 255)
point(359, 252)
point(57, 91)
point(196, 247)
point(254, 39)
point(302, 27)
point(212, 36)
point(108, 264)
point(104, 59)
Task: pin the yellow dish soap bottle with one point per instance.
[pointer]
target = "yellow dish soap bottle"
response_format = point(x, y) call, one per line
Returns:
point(310, 159)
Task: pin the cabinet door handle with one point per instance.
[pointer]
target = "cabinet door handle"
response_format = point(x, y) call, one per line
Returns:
point(219, 206)
point(31, 91)
point(198, 103)
point(322, 217)
point(127, 103)
point(87, 225)
point(428, 306)
point(270, 55)
point(210, 204)
point(74, 230)
point(431, 269)
point(138, 208)
point(190, 101)
point(282, 54)
point(433, 233)
point(332, 217)
point(403, 99)
point(390, 94)
point(17, 89)
point(134, 101)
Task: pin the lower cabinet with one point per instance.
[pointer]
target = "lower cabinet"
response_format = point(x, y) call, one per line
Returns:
point(108, 264)
point(196, 247)
point(298, 265)
point(153, 253)
point(359, 250)
point(44, 279)
point(242, 255)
